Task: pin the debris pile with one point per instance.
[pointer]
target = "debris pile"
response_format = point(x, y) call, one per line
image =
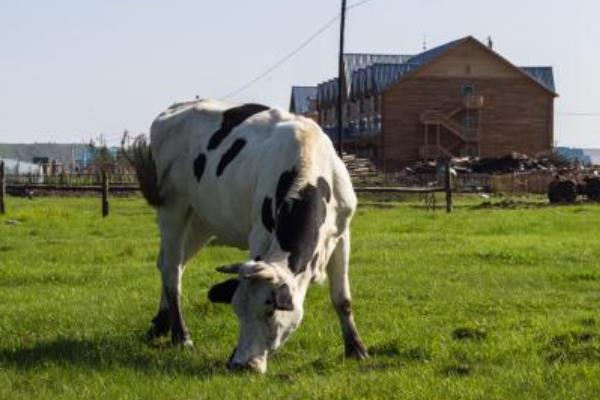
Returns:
point(570, 180)
point(513, 162)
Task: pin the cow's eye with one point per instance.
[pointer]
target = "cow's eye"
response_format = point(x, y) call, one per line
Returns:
point(269, 308)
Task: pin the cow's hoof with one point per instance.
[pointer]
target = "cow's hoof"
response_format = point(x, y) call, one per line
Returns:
point(356, 350)
point(188, 344)
point(159, 326)
point(156, 332)
point(182, 341)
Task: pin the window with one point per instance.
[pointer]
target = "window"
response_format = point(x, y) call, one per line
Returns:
point(468, 89)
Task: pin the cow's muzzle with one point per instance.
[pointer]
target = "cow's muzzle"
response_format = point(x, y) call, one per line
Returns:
point(254, 364)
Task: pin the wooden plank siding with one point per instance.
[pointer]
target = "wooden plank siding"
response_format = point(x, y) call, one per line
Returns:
point(517, 114)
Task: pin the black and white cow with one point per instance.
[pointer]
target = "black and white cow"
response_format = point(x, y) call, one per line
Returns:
point(258, 178)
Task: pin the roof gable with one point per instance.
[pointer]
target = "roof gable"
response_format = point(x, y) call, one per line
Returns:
point(430, 63)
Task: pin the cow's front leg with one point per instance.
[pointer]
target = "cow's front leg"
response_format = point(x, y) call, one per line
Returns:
point(339, 286)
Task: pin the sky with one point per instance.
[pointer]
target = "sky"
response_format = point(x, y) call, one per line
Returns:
point(71, 70)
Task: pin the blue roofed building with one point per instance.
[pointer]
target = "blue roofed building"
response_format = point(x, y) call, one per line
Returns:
point(461, 98)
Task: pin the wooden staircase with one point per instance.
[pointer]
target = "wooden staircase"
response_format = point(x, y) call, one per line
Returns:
point(444, 124)
point(361, 170)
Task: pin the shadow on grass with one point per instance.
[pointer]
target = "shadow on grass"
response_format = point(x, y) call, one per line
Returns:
point(440, 207)
point(111, 353)
point(392, 355)
point(573, 347)
point(511, 204)
point(378, 205)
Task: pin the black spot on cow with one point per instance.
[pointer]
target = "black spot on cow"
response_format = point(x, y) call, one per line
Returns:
point(314, 261)
point(267, 214)
point(257, 258)
point(286, 180)
point(230, 154)
point(232, 118)
point(297, 226)
point(324, 189)
point(223, 292)
point(199, 164)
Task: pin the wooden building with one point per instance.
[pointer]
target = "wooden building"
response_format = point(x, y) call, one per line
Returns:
point(458, 99)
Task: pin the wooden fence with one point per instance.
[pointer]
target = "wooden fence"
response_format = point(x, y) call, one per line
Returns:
point(536, 182)
point(533, 182)
point(426, 184)
point(105, 183)
point(72, 181)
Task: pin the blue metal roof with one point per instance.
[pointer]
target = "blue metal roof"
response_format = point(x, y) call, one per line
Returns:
point(434, 53)
point(353, 62)
point(373, 73)
point(301, 98)
point(377, 78)
point(356, 61)
point(543, 75)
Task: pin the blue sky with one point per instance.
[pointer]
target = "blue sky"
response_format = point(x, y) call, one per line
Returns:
point(70, 70)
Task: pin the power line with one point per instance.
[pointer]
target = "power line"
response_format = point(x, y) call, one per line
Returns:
point(292, 53)
point(579, 114)
point(360, 3)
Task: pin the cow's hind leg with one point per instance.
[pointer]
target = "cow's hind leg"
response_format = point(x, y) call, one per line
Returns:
point(181, 237)
point(161, 323)
point(337, 270)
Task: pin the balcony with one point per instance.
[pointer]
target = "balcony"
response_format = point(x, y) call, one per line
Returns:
point(473, 102)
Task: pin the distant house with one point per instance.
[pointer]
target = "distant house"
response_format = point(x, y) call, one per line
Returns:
point(17, 167)
point(458, 99)
point(84, 156)
point(574, 155)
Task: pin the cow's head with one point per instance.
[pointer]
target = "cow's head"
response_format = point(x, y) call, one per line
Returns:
point(269, 308)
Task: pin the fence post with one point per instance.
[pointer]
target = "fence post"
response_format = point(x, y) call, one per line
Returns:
point(448, 186)
point(2, 188)
point(104, 193)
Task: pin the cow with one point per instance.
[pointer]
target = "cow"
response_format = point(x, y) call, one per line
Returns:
point(256, 178)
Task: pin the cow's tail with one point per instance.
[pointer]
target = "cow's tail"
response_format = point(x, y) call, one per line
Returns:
point(139, 155)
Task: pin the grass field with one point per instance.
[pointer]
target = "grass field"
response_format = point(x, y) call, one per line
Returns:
point(485, 303)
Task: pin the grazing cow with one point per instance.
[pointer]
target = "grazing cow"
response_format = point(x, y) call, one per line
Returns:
point(258, 178)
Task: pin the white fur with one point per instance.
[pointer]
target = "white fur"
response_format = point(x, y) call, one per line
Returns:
point(229, 207)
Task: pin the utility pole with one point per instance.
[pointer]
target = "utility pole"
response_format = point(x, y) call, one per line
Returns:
point(341, 82)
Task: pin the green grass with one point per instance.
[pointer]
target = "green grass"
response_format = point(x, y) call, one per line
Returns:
point(485, 303)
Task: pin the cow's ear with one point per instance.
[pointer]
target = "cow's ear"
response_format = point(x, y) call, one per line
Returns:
point(251, 270)
point(223, 292)
point(283, 298)
point(230, 269)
